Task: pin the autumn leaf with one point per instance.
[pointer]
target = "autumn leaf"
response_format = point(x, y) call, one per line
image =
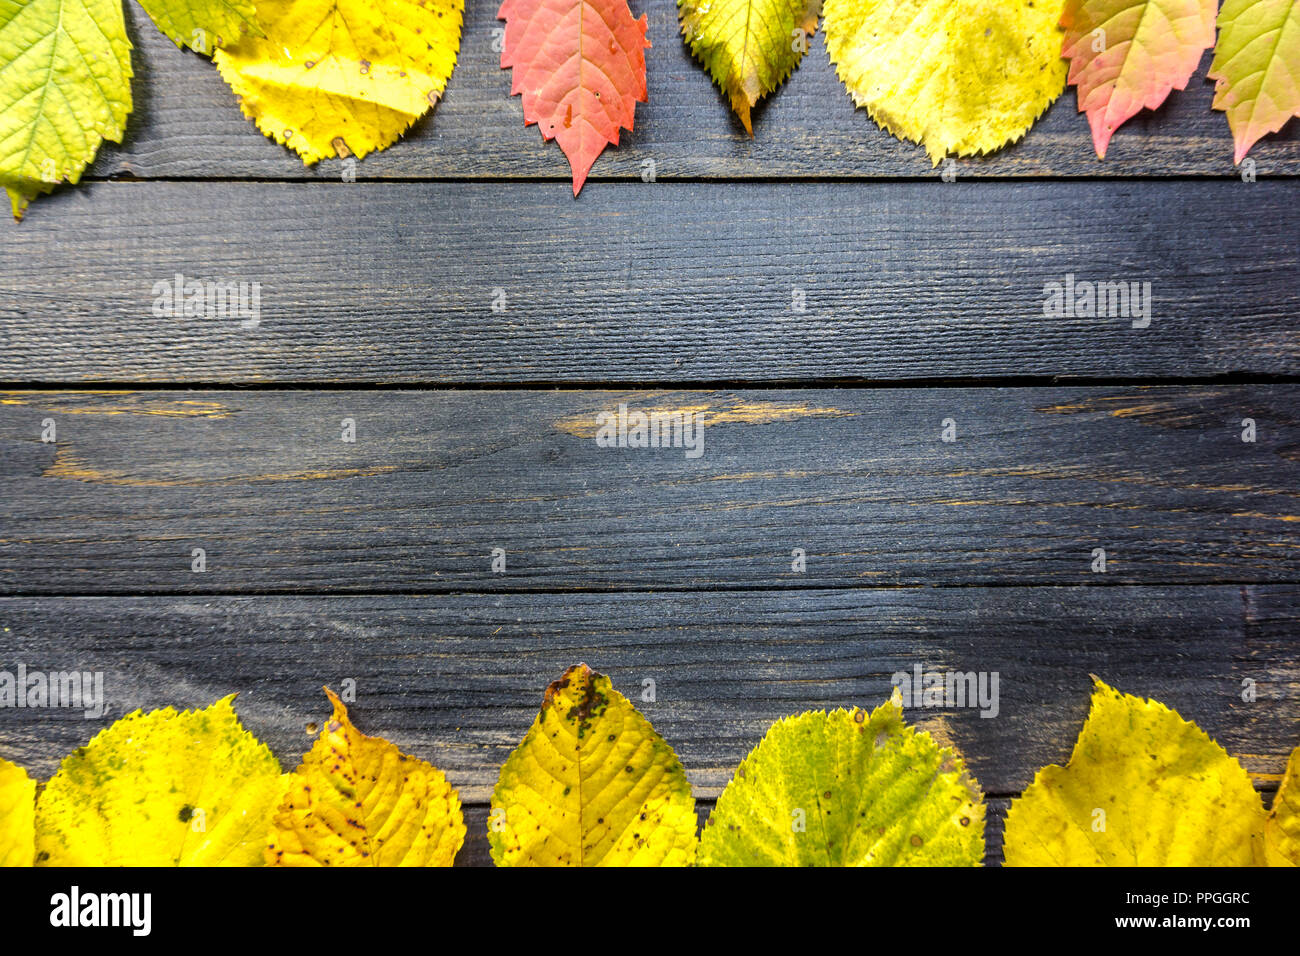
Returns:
point(359, 801)
point(343, 77)
point(1282, 828)
point(17, 816)
point(1126, 56)
point(1144, 787)
point(580, 68)
point(203, 25)
point(748, 46)
point(162, 788)
point(65, 87)
point(961, 77)
point(847, 788)
point(591, 784)
point(1256, 68)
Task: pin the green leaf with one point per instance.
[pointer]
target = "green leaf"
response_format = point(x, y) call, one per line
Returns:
point(1256, 68)
point(847, 789)
point(749, 47)
point(203, 25)
point(64, 88)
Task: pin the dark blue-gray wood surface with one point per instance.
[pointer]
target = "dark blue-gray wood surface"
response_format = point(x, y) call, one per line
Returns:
point(923, 301)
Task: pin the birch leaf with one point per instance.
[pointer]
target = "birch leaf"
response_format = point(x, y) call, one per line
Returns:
point(65, 87)
point(1144, 787)
point(591, 784)
point(202, 25)
point(343, 77)
point(749, 47)
point(1282, 829)
point(847, 789)
point(162, 788)
point(359, 801)
point(962, 77)
point(1256, 68)
point(1126, 56)
point(17, 816)
point(579, 67)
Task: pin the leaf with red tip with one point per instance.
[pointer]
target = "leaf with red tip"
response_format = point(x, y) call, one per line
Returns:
point(580, 65)
point(1126, 57)
point(1257, 68)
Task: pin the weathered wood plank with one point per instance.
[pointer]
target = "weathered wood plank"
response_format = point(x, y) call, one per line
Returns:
point(663, 283)
point(457, 679)
point(861, 480)
point(187, 124)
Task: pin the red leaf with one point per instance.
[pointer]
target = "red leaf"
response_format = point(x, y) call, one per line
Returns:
point(1125, 55)
point(580, 65)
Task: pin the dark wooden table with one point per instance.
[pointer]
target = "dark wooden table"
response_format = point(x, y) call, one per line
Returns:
point(922, 301)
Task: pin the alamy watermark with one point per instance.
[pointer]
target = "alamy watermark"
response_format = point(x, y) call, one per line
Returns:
point(72, 690)
point(654, 429)
point(1098, 300)
point(188, 298)
point(923, 688)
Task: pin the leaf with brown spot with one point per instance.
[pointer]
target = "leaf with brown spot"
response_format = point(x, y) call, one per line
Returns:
point(591, 784)
point(342, 78)
point(359, 801)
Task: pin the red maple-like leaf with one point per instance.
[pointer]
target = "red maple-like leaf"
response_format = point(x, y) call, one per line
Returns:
point(580, 65)
point(1127, 55)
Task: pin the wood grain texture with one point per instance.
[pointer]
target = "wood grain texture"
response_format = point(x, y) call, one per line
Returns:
point(187, 124)
point(457, 679)
point(858, 478)
point(651, 283)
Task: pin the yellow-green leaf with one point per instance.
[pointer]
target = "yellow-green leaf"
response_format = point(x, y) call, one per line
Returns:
point(847, 789)
point(162, 788)
point(343, 77)
point(17, 816)
point(1256, 68)
point(1282, 829)
point(749, 47)
point(359, 801)
point(961, 77)
point(1144, 787)
point(203, 25)
point(65, 87)
point(591, 784)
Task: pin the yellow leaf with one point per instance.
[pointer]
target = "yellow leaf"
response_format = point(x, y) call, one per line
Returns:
point(162, 788)
point(749, 47)
point(1282, 829)
point(1144, 787)
point(962, 77)
point(346, 77)
point(17, 816)
point(591, 784)
point(359, 801)
point(202, 25)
